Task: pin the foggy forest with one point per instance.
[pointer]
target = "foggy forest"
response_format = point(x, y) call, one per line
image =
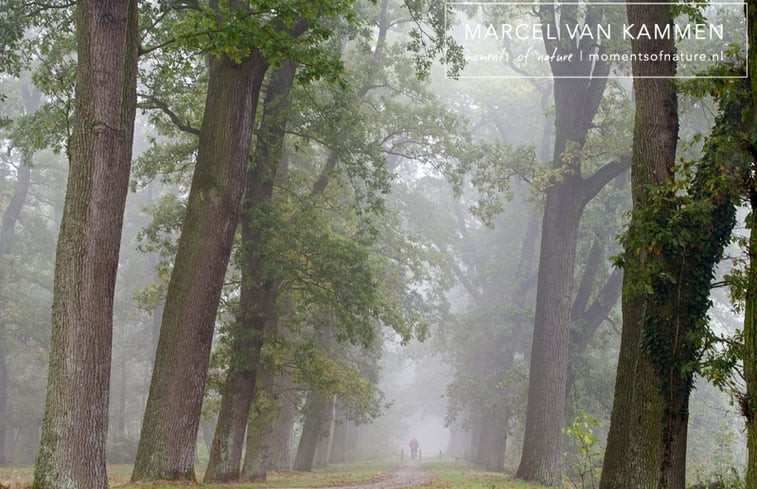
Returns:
point(378, 244)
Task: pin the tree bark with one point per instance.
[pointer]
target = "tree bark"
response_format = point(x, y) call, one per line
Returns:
point(490, 440)
point(667, 281)
point(311, 432)
point(637, 455)
point(280, 457)
point(749, 401)
point(323, 450)
point(338, 452)
point(576, 103)
point(259, 294)
point(259, 428)
point(167, 442)
point(75, 425)
point(542, 446)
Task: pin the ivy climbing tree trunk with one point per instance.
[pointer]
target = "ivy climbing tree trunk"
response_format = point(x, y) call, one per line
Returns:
point(672, 246)
point(167, 442)
point(634, 457)
point(74, 430)
point(257, 315)
point(749, 402)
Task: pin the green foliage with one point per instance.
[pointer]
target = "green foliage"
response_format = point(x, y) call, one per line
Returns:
point(727, 480)
point(678, 237)
point(431, 15)
point(586, 462)
point(715, 447)
point(160, 236)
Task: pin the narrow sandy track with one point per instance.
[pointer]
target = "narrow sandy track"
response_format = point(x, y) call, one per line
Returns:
point(407, 475)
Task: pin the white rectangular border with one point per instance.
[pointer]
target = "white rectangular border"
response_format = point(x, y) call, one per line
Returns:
point(618, 77)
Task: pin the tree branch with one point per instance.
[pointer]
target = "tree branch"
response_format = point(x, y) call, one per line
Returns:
point(156, 103)
point(591, 186)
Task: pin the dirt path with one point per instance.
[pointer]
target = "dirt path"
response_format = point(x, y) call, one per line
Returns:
point(406, 475)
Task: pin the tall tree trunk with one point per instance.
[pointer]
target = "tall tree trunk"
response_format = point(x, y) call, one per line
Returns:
point(311, 432)
point(542, 447)
point(280, 457)
point(167, 442)
point(749, 402)
point(323, 449)
point(576, 102)
point(646, 442)
point(259, 428)
point(121, 413)
point(667, 281)
point(75, 426)
point(338, 453)
point(496, 461)
point(476, 433)
point(259, 294)
point(490, 442)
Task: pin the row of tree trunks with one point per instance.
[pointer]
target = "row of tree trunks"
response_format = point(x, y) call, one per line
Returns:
point(167, 443)
point(75, 425)
point(257, 313)
point(258, 302)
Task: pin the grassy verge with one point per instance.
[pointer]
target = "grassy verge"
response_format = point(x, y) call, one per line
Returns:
point(21, 477)
point(456, 475)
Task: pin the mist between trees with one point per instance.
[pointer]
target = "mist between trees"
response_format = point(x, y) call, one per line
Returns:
point(281, 235)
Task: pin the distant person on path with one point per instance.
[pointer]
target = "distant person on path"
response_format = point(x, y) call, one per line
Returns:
point(413, 449)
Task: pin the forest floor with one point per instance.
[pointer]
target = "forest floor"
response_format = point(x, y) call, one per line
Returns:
point(410, 475)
